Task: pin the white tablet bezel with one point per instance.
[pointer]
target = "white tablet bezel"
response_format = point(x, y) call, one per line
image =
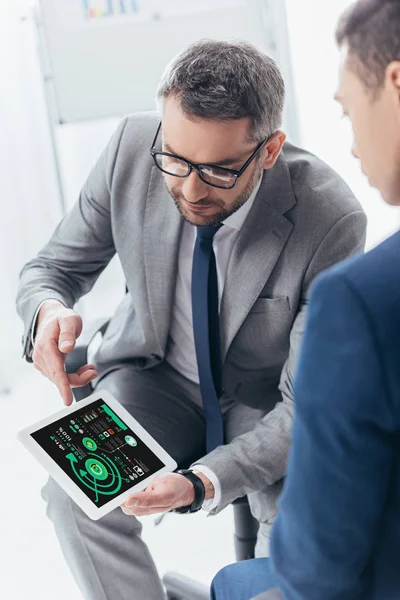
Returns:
point(24, 436)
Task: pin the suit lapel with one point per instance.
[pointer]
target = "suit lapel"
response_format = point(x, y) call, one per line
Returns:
point(162, 227)
point(256, 250)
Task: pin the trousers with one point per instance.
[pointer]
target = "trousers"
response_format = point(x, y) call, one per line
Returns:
point(108, 558)
point(244, 580)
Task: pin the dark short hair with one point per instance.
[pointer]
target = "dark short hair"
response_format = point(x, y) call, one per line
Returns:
point(371, 29)
point(220, 80)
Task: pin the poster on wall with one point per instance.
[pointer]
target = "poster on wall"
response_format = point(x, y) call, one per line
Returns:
point(95, 10)
point(100, 9)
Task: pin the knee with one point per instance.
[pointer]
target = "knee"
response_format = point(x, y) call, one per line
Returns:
point(243, 580)
point(223, 586)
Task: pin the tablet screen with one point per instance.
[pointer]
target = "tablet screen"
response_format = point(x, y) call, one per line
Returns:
point(98, 451)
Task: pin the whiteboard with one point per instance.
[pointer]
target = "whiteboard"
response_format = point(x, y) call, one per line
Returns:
point(107, 62)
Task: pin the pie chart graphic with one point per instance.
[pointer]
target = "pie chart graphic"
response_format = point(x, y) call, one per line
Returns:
point(130, 440)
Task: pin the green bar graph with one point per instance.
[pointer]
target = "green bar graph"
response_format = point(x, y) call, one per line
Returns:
point(114, 417)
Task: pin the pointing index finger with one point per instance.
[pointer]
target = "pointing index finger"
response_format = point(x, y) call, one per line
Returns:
point(57, 374)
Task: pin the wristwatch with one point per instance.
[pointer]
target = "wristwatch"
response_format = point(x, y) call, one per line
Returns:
point(199, 493)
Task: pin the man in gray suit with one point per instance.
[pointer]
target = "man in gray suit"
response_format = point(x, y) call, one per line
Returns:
point(203, 347)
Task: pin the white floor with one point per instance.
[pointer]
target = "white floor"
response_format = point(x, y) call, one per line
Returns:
point(32, 565)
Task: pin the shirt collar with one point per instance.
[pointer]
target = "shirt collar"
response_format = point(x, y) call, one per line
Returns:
point(236, 220)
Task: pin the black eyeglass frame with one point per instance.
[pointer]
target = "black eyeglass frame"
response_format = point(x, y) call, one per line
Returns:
point(236, 174)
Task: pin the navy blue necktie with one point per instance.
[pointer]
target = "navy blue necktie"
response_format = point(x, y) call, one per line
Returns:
point(206, 333)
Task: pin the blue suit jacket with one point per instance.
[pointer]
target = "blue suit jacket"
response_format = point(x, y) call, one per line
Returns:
point(337, 536)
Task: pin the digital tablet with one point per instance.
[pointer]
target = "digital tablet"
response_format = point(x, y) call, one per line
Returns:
point(97, 452)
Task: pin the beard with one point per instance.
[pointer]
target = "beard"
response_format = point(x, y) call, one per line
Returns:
point(223, 212)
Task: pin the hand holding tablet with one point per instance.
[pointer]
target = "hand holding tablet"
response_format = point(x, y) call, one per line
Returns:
point(97, 452)
point(165, 493)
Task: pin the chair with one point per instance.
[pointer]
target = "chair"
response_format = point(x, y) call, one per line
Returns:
point(178, 587)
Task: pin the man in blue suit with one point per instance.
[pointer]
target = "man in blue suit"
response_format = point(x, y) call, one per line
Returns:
point(337, 536)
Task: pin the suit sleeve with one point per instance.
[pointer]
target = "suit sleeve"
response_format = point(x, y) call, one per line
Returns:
point(79, 250)
point(259, 458)
point(338, 476)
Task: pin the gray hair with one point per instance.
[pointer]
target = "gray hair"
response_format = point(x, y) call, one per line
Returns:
point(222, 81)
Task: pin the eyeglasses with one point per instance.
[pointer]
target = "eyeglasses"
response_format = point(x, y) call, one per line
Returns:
point(213, 175)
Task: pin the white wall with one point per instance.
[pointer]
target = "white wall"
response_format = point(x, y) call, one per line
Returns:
point(28, 193)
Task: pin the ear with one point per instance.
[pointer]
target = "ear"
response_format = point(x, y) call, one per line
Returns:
point(393, 77)
point(273, 149)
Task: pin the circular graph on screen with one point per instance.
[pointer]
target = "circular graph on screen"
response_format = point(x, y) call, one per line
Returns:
point(99, 474)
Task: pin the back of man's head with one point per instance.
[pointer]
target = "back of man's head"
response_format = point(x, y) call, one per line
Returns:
point(222, 81)
point(369, 89)
point(371, 30)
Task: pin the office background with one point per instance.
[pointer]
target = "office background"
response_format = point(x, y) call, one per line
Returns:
point(30, 209)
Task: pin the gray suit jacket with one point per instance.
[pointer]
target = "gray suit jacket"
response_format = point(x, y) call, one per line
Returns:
point(304, 219)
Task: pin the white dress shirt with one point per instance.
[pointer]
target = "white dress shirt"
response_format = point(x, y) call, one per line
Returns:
point(181, 353)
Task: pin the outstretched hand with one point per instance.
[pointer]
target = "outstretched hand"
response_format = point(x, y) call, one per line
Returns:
point(163, 494)
point(58, 328)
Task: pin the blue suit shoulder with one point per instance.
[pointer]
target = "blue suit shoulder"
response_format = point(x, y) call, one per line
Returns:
point(369, 284)
point(375, 275)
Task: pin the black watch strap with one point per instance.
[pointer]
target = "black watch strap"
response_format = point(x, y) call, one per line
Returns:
point(199, 493)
